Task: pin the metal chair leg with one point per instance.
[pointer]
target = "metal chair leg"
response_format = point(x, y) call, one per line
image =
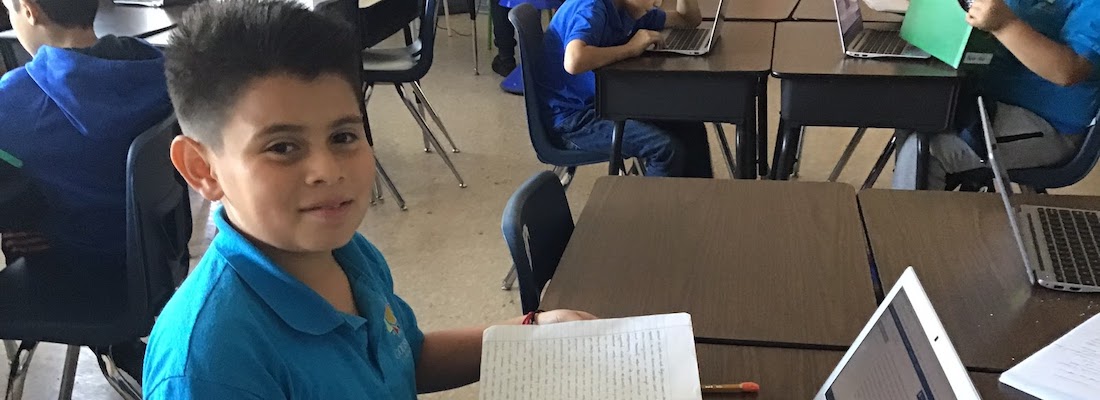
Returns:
point(17, 372)
point(424, 127)
point(419, 92)
point(509, 280)
point(725, 143)
point(847, 154)
point(376, 192)
point(473, 23)
point(124, 385)
point(68, 373)
point(798, 152)
point(10, 348)
point(880, 163)
point(385, 178)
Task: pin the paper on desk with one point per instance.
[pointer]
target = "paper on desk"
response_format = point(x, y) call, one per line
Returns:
point(893, 6)
point(638, 358)
point(1069, 368)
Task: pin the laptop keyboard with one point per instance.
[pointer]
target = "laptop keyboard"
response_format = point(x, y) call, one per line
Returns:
point(1072, 242)
point(685, 39)
point(882, 42)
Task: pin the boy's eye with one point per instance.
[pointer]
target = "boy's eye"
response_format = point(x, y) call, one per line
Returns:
point(344, 137)
point(282, 148)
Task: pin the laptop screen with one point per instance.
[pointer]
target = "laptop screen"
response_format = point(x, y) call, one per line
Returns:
point(849, 16)
point(894, 361)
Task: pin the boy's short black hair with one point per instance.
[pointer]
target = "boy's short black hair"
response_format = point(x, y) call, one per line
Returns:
point(67, 13)
point(221, 46)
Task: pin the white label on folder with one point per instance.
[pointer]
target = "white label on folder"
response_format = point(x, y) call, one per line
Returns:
point(978, 58)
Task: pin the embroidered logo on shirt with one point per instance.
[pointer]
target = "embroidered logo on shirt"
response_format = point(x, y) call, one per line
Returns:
point(391, 321)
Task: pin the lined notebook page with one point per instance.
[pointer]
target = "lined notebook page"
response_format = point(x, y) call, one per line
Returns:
point(1069, 368)
point(639, 358)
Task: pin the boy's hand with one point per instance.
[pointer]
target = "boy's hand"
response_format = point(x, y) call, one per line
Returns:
point(642, 40)
point(990, 15)
point(556, 316)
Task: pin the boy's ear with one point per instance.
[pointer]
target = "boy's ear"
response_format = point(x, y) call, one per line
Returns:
point(191, 160)
point(30, 11)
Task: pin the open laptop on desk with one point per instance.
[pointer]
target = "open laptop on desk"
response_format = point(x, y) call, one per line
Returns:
point(692, 41)
point(902, 353)
point(1060, 246)
point(857, 41)
point(154, 3)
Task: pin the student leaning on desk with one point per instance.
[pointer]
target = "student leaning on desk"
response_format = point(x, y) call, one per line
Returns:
point(588, 34)
point(289, 302)
point(1045, 78)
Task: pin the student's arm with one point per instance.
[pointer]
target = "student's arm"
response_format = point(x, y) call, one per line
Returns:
point(452, 358)
point(1052, 61)
point(581, 58)
point(686, 15)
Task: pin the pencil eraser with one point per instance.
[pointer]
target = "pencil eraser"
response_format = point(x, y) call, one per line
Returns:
point(750, 387)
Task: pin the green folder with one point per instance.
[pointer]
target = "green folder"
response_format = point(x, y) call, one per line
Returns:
point(938, 27)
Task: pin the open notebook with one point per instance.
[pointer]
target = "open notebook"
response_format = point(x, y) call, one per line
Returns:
point(638, 358)
point(1069, 368)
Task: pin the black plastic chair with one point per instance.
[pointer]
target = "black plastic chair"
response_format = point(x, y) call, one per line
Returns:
point(537, 225)
point(1072, 171)
point(410, 64)
point(76, 307)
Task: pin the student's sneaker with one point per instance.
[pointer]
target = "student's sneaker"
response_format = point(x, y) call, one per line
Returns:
point(504, 65)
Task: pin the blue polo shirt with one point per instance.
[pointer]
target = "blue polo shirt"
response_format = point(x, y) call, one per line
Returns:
point(597, 23)
point(240, 327)
point(1073, 23)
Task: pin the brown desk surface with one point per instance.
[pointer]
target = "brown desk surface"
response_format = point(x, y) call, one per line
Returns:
point(813, 48)
point(759, 10)
point(825, 10)
point(781, 373)
point(745, 46)
point(962, 248)
point(134, 21)
point(991, 389)
point(752, 261)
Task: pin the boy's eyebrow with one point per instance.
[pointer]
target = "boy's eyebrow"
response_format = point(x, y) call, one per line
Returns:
point(280, 128)
point(347, 120)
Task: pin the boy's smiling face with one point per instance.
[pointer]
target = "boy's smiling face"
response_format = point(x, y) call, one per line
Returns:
point(294, 170)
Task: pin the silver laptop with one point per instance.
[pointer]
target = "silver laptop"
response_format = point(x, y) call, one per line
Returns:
point(692, 41)
point(903, 353)
point(154, 3)
point(1060, 246)
point(858, 41)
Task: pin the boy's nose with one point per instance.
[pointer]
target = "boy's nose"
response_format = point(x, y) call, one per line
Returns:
point(324, 168)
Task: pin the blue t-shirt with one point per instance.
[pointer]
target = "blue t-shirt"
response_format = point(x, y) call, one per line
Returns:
point(597, 23)
point(241, 327)
point(1074, 23)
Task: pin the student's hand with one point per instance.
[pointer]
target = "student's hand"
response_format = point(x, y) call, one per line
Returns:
point(642, 40)
point(556, 316)
point(990, 15)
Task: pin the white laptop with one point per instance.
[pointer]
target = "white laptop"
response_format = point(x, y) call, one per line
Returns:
point(1060, 246)
point(902, 353)
point(692, 41)
point(858, 41)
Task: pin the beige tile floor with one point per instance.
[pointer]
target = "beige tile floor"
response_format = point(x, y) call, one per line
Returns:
point(446, 251)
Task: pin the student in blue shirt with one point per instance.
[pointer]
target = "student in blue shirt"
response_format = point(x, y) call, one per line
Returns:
point(289, 302)
point(1044, 79)
point(589, 34)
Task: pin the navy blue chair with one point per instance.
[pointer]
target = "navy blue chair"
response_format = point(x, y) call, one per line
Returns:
point(409, 64)
point(537, 225)
point(106, 311)
point(1072, 171)
point(548, 147)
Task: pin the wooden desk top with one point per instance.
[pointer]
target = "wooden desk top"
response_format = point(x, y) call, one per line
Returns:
point(781, 373)
point(813, 49)
point(758, 10)
point(752, 261)
point(825, 10)
point(744, 46)
point(991, 389)
point(135, 21)
point(962, 248)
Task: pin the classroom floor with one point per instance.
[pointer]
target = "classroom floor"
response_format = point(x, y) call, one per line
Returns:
point(446, 251)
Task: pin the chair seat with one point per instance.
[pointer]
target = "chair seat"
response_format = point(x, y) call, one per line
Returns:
point(36, 303)
point(392, 59)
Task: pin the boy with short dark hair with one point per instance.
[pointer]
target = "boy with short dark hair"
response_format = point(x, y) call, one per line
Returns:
point(1045, 84)
point(289, 302)
point(588, 34)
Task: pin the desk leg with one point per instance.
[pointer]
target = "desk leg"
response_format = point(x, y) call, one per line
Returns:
point(762, 127)
point(923, 158)
point(786, 141)
point(615, 166)
point(747, 145)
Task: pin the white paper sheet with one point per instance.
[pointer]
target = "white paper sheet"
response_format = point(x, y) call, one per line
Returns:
point(1067, 369)
point(639, 358)
point(893, 6)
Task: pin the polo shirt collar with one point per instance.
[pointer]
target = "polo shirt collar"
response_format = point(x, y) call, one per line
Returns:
point(294, 302)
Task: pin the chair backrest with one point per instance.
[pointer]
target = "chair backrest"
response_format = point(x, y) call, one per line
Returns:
point(1066, 174)
point(158, 225)
point(537, 225)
